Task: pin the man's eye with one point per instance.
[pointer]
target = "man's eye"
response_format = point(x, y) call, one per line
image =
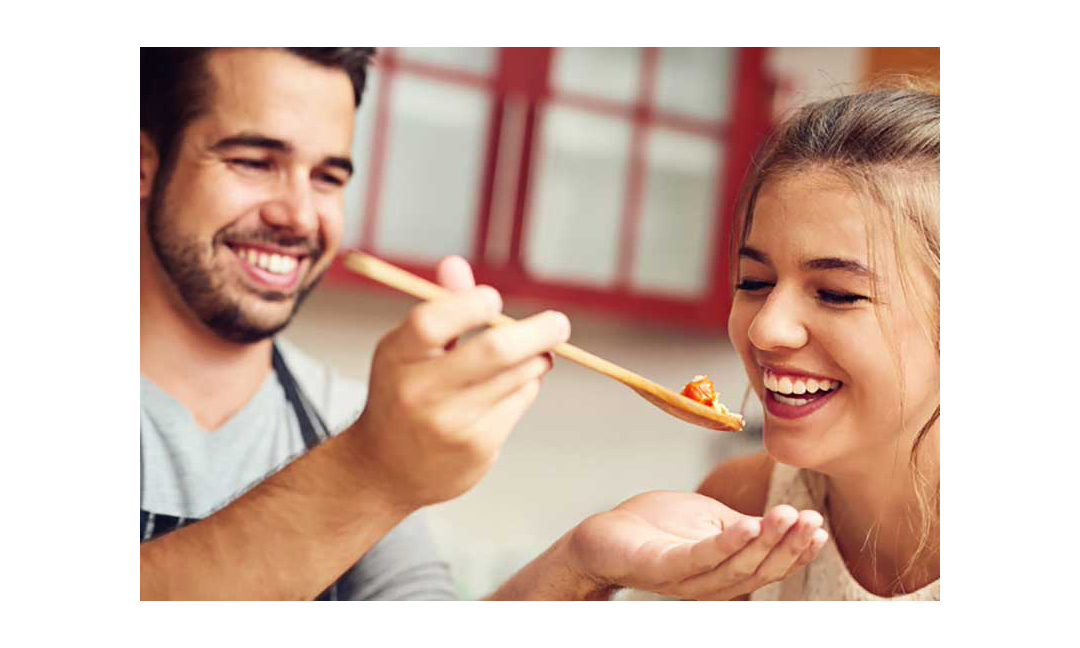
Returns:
point(249, 163)
point(836, 297)
point(330, 178)
point(752, 284)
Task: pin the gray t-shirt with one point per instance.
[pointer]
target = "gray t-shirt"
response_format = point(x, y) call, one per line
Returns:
point(189, 472)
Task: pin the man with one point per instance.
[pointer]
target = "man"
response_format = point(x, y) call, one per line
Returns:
point(258, 478)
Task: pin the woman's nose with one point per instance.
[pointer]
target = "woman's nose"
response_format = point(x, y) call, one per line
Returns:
point(779, 324)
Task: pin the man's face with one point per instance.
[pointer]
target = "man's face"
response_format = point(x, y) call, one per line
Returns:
point(251, 215)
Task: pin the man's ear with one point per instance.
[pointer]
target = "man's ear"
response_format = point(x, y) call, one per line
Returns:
point(148, 164)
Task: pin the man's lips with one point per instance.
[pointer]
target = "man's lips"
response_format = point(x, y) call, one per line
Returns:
point(269, 266)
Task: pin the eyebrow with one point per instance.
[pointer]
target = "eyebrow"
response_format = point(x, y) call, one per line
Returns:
point(823, 263)
point(273, 144)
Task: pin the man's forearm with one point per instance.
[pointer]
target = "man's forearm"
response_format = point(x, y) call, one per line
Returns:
point(287, 538)
point(552, 576)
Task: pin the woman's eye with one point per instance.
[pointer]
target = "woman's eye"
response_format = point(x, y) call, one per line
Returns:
point(837, 297)
point(752, 284)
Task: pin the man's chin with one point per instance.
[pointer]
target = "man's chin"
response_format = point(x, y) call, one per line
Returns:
point(248, 325)
point(252, 316)
point(245, 332)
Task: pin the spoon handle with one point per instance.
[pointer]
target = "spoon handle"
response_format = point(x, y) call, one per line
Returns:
point(394, 277)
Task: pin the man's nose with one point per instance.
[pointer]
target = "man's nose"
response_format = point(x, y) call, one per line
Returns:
point(293, 208)
point(779, 324)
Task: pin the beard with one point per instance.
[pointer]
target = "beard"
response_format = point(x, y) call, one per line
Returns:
point(197, 271)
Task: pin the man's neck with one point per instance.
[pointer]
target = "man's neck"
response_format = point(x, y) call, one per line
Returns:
point(213, 377)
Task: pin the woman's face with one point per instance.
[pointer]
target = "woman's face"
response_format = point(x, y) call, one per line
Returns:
point(804, 323)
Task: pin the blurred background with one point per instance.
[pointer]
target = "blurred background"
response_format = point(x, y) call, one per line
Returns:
point(597, 181)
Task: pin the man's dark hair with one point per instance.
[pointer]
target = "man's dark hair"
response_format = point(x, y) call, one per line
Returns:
point(176, 87)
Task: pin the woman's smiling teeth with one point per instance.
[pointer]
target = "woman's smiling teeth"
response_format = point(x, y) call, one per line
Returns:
point(275, 263)
point(783, 387)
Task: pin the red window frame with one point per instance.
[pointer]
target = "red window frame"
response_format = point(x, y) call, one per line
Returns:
point(522, 76)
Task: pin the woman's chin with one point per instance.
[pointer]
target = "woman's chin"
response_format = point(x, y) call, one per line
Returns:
point(791, 450)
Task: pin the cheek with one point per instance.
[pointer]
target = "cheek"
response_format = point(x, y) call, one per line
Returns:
point(211, 203)
point(922, 372)
point(869, 361)
point(331, 222)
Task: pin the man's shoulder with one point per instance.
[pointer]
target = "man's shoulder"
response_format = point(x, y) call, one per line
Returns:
point(339, 398)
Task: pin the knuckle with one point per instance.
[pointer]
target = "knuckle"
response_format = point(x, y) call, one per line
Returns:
point(530, 390)
point(759, 579)
point(419, 322)
point(465, 445)
point(383, 346)
point(741, 573)
point(487, 301)
point(498, 347)
point(408, 394)
point(443, 424)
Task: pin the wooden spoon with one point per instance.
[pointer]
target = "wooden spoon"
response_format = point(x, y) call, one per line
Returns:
point(671, 402)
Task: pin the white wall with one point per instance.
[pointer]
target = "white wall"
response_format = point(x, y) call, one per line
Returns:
point(812, 73)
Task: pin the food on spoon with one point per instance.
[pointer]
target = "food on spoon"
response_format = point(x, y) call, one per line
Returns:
point(702, 390)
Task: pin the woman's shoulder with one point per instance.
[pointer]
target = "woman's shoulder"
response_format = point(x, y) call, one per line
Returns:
point(741, 483)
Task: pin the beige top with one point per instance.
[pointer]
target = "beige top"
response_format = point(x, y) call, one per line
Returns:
point(827, 577)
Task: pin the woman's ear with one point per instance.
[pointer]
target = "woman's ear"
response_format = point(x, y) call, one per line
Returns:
point(148, 164)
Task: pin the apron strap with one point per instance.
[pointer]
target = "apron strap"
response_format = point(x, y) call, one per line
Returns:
point(312, 428)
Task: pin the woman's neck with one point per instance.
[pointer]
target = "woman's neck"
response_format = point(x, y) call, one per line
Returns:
point(878, 520)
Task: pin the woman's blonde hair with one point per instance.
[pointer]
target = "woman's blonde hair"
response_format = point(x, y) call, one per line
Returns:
point(885, 142)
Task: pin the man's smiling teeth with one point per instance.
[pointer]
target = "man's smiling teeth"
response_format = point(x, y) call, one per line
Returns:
point(784, 385)
point(276, 263)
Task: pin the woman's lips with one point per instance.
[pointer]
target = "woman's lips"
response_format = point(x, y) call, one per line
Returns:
point(814, 402)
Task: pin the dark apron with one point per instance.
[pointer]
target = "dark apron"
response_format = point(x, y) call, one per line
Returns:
point(312, 428)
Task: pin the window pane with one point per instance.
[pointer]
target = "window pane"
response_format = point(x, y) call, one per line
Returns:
point(695, 81)
point(577, 196)
point(470, 59)
point(677, 223)
point(607, 72)
point(356, 190)
point(432, 177)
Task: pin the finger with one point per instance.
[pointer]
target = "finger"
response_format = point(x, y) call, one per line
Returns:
point(431, 325)
point(495, 426)
point(785, 554)
point(502, 347)
point(454, 273)
point(706, 555)
point(740, 568)
point(817, 541)
point(677, 560)
point(470, 404)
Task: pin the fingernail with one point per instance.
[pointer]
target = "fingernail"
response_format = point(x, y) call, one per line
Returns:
point(820, 536)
